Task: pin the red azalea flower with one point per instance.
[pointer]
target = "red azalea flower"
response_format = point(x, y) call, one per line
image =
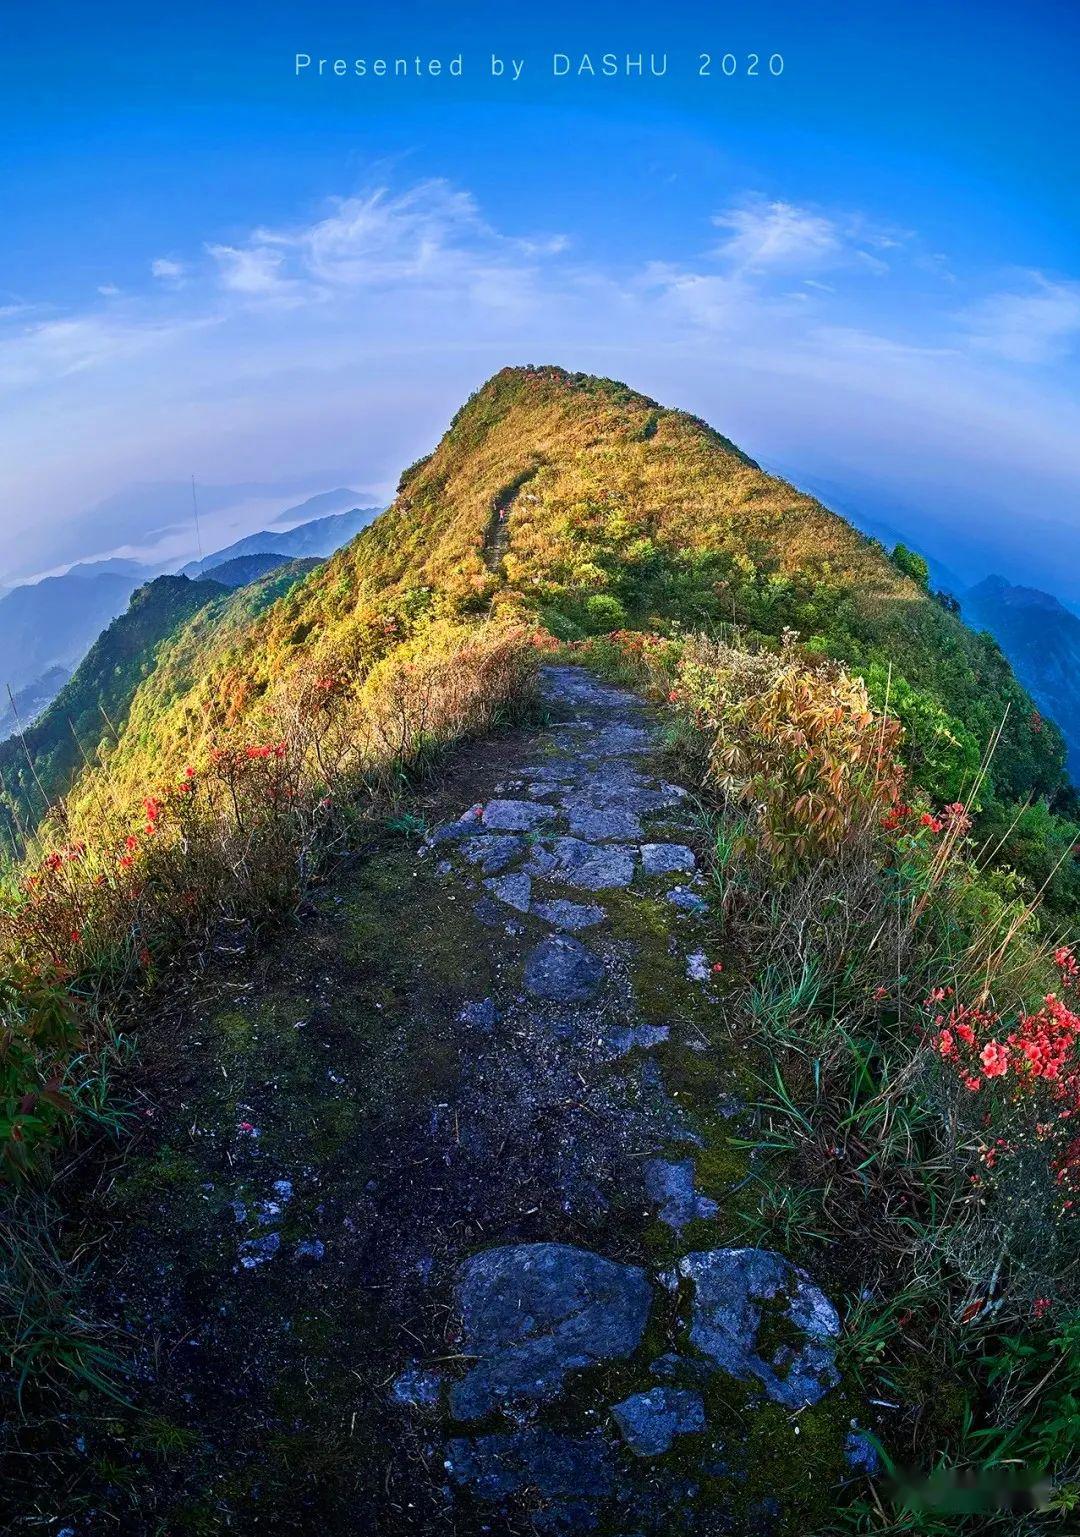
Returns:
point(995, 1060)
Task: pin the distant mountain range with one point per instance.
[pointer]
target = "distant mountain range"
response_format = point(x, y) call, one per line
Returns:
point(320, 537)
point(322, 505)
point(51, 624)
point(54, 622)
point(27, 703)
point(94, 702)
point(1041, 638)
point(92, 706)
point(247, 568)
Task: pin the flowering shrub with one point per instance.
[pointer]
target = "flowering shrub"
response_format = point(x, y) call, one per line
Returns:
point(1023, 1076)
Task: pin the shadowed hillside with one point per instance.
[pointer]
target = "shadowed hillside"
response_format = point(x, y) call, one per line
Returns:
point(1041, 638)
point(91, 711)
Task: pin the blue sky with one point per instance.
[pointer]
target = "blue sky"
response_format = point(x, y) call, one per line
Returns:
point(866, 270)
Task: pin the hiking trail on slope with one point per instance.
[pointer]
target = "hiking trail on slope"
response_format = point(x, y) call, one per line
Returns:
point(435, 1227)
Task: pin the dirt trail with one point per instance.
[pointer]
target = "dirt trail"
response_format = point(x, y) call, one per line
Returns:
point(431, 1228)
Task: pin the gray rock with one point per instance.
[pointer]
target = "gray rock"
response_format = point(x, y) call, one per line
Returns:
point(493, 851)
point(514, 890)
point(672, 1185)
point(687, 901)
point(650, 1421)
point(666, 858)
point(310, 1248)
point(468, 825)
point(697, 967)
point(625, 1037)
point(256, 1251)
point(552, 774)
point(540, 862)
point(531, 1313)
point(591, 867)
point(561, 970)
point(614, 741)
point(571, 916)
point(515, 816)
point(861, 1454)
point(417, 1388)
point(536, 1459)
point(270, 1210)
point(604, 823)
point(732, 1287)
point(481, 1013)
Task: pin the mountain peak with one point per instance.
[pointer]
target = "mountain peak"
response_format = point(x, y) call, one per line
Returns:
point(999, 590)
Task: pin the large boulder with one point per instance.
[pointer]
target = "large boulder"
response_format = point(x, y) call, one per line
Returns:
point(744, 1296)
point(531, 1313)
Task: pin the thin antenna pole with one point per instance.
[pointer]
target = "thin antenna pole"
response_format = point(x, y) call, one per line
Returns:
point(198, 531)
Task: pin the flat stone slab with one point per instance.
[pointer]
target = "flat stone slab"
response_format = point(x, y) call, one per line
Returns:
point(531, 1313)
point(604, 823)
point(515, 816)
point(570, 916)
point(736, 1291)
point(650, 1421)
point(592, 867)
point(540, 862)
point(672, 1186)
point(614, 741)
point(493, 851)
point(687, 901)
point(514, 890)
point(561, 970)
point(666, 858)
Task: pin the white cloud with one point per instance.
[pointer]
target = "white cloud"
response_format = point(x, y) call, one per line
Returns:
point(58, 348)
point(252, 270)
point(350, 333)
point(1038, 324)
point(777, 235)
point(108, 290)
point(166, 270)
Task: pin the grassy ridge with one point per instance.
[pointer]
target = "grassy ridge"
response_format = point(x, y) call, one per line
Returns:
point(616, 511)
point(564, 506)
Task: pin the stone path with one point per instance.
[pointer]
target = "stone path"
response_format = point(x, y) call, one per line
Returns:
point(431, 1228)
point(558, 843)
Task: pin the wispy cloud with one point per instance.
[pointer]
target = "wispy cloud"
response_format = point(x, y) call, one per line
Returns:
point(254, 270)
point(814, 331)
point(167, 270)
point(776, 235)
point(1038, 323)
